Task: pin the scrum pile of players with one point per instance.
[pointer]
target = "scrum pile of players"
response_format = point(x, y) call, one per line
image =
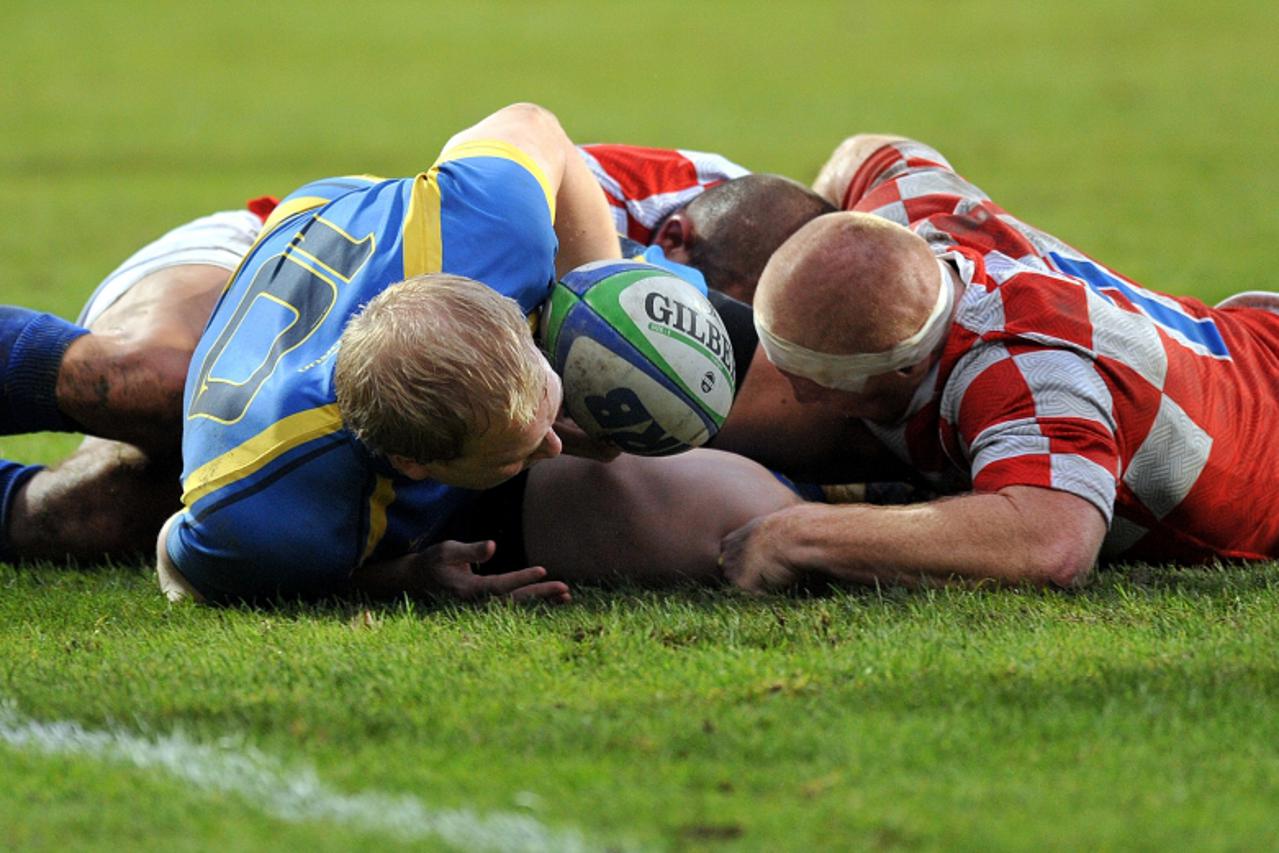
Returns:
point(338, 392)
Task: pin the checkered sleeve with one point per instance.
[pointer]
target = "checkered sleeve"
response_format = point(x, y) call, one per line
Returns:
point(1027, 415)
point(909, 181)
point(645, 185)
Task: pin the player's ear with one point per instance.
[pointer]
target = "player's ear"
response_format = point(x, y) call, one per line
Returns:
point(411, 468)
point(675, 236)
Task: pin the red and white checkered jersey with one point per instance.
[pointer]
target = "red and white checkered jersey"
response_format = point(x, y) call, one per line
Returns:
point(1060, 373)
point(645, 185)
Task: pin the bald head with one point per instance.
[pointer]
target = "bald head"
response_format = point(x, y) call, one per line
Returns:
point(730, 231)
point(849, 283)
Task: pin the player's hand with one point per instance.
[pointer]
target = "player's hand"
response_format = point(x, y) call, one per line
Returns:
point(449, 567)
point(754, 556)
point(578, 443)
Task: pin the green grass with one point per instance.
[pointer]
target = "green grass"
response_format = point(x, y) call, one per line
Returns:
point(1130, 715)
point(1136, 714)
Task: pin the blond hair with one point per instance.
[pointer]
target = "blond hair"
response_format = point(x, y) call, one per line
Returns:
point(433, 360)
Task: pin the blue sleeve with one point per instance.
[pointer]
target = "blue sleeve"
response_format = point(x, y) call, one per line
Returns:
point(497, 227)
point(297, 529)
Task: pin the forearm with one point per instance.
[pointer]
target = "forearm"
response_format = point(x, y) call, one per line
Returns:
point(583, 222)
point(389, 579)
point(973, 537)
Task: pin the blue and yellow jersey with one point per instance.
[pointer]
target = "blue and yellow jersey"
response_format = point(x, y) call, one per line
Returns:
point(278, 496)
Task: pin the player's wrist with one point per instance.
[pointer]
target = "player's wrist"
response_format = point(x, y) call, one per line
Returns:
point(812, 534)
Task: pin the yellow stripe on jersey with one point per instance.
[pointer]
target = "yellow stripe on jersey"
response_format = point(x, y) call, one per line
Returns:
point(241, 461)
point(293, 206)
point(383, 495)
point(423, 242)
point(290, 208)
point(282, 212)
point(507, 151)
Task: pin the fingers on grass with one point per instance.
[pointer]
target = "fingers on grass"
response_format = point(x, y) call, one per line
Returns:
point(452, 551)
point(506, 584)
point(548, 592)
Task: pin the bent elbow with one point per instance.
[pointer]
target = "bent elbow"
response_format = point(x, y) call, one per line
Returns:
point(858, 147)
point(1068, 574)
point(861, 140)
point(1055, 535)
point(529, 113)
point(1056, 561)
point(1064, 562)
point(833, 180)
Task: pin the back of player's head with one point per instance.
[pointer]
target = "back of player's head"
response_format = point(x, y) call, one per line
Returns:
point(740, 223)
point(433, 360)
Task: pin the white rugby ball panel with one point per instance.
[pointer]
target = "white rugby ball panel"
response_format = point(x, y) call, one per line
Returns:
point(687, 334)
point(646, 361)
point(610, 397)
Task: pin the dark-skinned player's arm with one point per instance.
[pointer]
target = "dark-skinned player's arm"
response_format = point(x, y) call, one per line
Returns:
point(448, 568)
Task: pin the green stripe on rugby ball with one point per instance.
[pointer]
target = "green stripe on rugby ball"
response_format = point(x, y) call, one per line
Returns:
point(666, 346)
point(557, 308)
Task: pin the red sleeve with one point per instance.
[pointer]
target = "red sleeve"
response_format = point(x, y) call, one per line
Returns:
point(1035, 416)
point(645, 185)
point(911, 184)
point(888, 163)
point(262, 206)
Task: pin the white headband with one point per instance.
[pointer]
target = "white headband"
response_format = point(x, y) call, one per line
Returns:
point(850, 372)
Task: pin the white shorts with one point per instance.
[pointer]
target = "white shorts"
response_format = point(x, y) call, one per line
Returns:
point(219, 240)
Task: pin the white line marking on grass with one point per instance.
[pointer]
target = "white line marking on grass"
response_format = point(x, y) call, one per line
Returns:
point(293, 794)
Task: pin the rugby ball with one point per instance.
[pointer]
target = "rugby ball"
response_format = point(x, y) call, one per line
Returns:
point(646, 362)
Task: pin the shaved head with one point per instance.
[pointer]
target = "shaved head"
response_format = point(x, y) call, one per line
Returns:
point(848, 283)
point(730, 231)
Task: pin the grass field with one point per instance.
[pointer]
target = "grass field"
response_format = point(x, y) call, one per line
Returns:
point(1138, 713)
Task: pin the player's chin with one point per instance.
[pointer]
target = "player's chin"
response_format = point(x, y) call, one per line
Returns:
point(492, 483)
point(483, 482)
